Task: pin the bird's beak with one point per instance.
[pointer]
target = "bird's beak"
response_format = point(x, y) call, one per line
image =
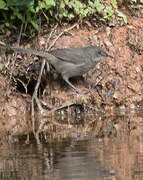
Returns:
point(110, 56)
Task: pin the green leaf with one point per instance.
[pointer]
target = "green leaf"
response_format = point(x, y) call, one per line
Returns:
point(114, 3)
point(108, 12)
point(34, 24)
point(41, 5)
point(90, 3)
point(133, 1)
point(20, 3)
point(49, 3)
point(122, 16)
point(31, 9)
point(7, 24)
point(99, 7)
point(139, 6)
point(66, 1)
point(2, 4)
point(1, 27)
point(65, 13)
point(16, 13)
point(70, 16)
point(2, 43)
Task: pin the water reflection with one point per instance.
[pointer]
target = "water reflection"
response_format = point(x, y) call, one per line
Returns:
point(113, 150)
point(78, 163)
point(65, 160)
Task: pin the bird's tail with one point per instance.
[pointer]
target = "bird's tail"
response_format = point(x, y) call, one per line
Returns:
point(31, 51)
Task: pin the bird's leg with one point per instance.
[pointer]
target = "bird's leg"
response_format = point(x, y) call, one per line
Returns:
point(76, 90)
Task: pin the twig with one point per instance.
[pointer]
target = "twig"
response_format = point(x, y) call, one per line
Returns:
point(66, 30)
point(95, 86)
point(32, 115)
point(99, 81)
point(50, 37)
point(46, 46)
point(36, 91)
point(39, 80)
point(24, 85)
point(43, 63)
point(44, 14)
point(67, 104)
point(41, 70)
point(18, 42)
point(36, 98)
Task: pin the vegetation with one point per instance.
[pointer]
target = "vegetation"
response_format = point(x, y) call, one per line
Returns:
point(13, 11)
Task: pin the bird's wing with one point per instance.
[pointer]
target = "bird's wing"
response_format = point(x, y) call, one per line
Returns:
point(73, 55)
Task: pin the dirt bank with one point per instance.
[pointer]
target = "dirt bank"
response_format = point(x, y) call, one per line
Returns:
point(121, 85)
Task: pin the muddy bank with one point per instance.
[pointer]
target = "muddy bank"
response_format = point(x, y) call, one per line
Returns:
point(121, 78)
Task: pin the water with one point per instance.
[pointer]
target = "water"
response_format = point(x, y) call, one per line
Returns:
point(115, 152)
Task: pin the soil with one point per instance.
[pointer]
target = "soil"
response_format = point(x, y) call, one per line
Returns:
point(120, 79)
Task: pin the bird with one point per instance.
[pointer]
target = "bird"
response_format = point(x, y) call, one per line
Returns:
point(70, 62)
